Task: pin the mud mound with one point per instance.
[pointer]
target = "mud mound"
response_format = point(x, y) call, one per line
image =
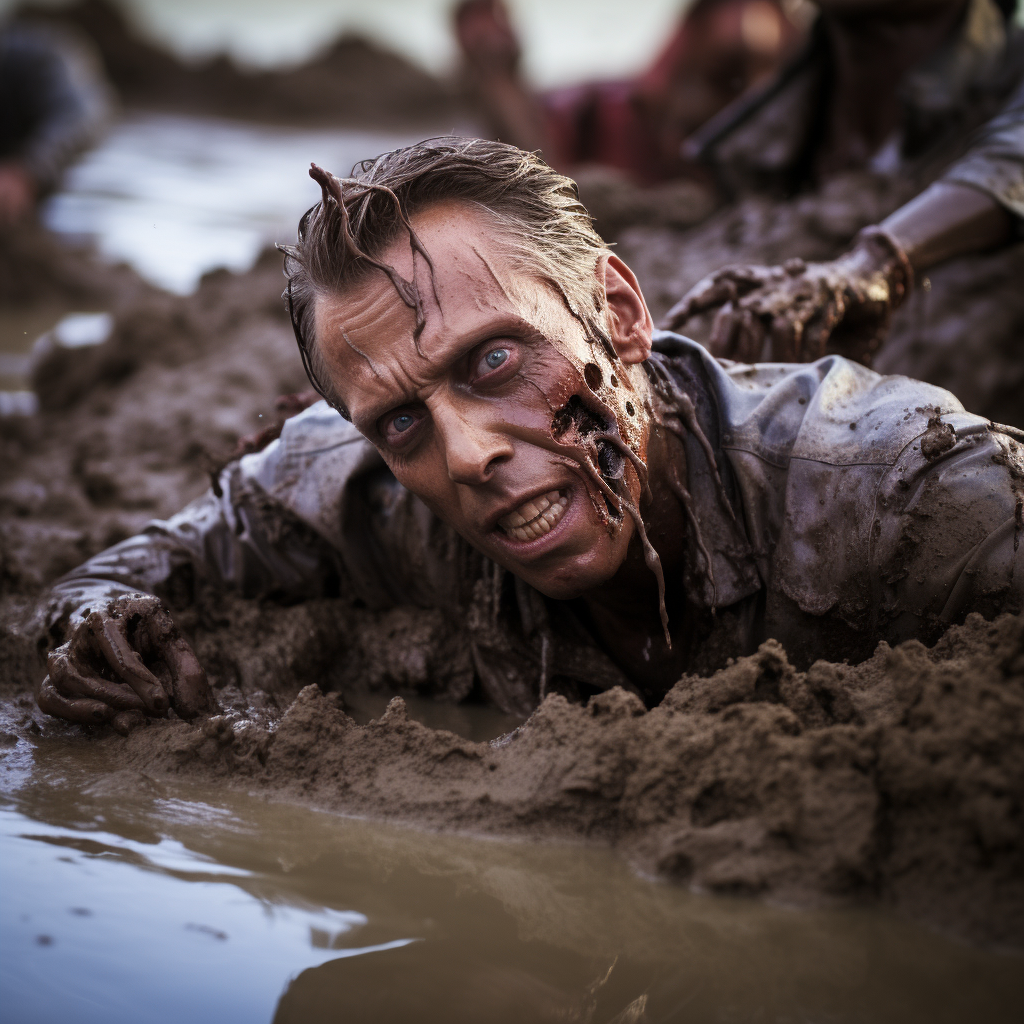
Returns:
point(36, 268)
point(900, 780)
point(351, 82)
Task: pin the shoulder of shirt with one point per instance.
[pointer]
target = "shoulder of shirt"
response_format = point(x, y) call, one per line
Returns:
point(832, 411)
point(310, 466)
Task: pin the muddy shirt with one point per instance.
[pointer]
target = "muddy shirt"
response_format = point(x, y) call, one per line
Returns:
point(857, 508)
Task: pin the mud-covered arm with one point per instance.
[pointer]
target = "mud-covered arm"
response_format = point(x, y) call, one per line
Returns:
point(977, 204)
point(994, 164)
point(800, 311)
point(243, 540)
point(273, 525)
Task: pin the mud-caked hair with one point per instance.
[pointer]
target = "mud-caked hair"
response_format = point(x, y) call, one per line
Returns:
point(545, 230)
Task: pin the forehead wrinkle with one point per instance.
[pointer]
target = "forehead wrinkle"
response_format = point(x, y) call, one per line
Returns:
point(490, 270)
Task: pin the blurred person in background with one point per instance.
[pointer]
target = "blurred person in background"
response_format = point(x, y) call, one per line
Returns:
point(927, 95)
point(720, 49)
point(53, 104)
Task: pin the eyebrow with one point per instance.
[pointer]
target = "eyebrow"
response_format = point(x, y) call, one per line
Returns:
point(506, 325)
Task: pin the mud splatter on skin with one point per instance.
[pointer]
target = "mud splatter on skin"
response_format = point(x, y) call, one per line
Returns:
point(598, 449)
point(586, 433)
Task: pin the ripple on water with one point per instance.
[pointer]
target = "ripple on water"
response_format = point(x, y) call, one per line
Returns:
point(159, 902)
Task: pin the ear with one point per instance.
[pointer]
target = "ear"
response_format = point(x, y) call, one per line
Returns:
point(629, 319)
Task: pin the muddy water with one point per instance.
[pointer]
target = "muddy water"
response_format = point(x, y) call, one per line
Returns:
point(184, 904)
point(177, 196)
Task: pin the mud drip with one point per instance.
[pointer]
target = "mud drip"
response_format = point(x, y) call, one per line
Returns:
point(351, 192)
point(595, 446)
point(681, 419)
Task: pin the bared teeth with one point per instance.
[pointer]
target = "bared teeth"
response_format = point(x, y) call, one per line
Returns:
point(536, 517)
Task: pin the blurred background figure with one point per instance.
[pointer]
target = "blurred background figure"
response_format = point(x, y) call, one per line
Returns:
point(53, 104)
point(720, 50)
point(875, 203)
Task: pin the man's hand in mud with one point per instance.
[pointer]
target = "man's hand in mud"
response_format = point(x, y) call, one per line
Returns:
point(122, 665)
point(797, 312)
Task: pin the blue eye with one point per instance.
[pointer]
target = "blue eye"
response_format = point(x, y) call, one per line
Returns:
point(402, 422)
point(496, 357)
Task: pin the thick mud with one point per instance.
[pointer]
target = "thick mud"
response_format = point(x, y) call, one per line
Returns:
point(900, 780)
point(897, 781)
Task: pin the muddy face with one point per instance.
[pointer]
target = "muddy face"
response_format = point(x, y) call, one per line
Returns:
point(514, 426)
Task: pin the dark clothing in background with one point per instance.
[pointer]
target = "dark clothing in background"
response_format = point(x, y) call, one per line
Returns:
point(963, 119)
point(53, 101)
point(962, 327)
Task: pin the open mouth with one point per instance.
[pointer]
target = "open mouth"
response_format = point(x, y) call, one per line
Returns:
point(535, 517)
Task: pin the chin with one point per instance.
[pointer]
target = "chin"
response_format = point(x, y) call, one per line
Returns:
point(568, 582)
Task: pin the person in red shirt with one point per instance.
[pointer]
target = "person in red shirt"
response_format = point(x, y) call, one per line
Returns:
point(719, 50)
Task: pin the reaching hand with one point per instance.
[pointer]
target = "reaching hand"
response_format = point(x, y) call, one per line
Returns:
point(103, 673)
point(795, 312)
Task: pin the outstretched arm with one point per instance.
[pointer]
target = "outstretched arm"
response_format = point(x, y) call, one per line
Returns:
point(947, 220)
point(123, 658)
point(796, 312)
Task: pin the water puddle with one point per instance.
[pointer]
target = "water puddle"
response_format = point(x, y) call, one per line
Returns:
point(176, 196)
point(149, 902)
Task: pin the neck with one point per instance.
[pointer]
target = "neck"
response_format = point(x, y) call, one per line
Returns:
point(872, 52)
point(625, 612)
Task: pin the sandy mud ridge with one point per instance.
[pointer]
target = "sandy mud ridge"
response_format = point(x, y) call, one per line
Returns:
point(898, 781)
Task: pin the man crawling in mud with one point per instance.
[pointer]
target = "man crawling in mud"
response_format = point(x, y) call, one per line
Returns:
point(592, 502)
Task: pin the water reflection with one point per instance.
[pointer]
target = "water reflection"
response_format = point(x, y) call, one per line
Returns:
point(129, 899)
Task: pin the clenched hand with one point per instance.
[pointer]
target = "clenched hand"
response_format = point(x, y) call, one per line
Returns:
point(105, 672)
point(794, 313)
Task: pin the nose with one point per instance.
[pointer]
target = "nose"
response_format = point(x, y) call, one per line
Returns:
point(473, 445)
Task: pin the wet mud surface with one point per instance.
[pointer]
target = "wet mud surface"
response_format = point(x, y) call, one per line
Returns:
point(272, 911)
point(899, 781)
point(895, 782)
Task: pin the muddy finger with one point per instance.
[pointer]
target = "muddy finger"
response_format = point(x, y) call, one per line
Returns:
point(749, 338)
point(72, 682)
point(125, 662)
point(722, 342)
point(705, 295)
point(82, 710)
point(126, 722)
point(785, 339)
point(191, 690)
point(818, 331)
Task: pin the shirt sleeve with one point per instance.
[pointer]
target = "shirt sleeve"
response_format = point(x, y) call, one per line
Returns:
point(995, 162)
point(274, 524)
point(952, 542)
